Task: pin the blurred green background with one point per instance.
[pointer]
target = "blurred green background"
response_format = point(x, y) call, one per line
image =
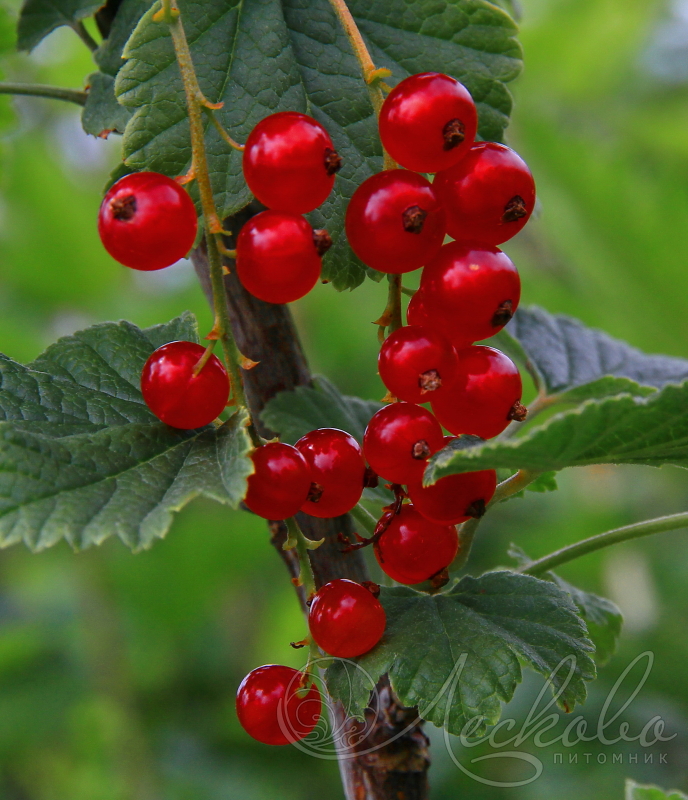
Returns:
point(117, 672)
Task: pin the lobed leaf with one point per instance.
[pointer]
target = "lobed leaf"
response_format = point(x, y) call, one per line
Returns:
point(38, 18)
point(496, 622)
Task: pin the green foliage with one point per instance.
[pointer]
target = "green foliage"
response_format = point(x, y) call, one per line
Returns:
point(634, 791)
point(496, 622)
point(38, 18)
point(263, 56)
point(82, 456)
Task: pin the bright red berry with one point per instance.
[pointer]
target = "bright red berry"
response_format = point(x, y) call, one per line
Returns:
point(415, 312)
point(489, 196)
point(485, 395)
point(455, 498)
point(416, 363)
point(399, 440)
point(175, 394)
point(337, 467)
point(281, 481)
point(278, 259)
point(394, 222)
point(269, 707)
point(147, 221)
point(428, 122)
point(469, 292)
point(346, 619)
point(290, 162)
point(413, 549)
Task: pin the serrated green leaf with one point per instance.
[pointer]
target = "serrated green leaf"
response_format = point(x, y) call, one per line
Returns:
point(634, 791)
point(263, 56)
point(38, 18)
point(616, 430)
point(82, 457)
point(496, 623)
point(577, 363)
point(603, 618)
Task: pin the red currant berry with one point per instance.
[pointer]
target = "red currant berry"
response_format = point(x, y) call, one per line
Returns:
point(428, 122)
point(346, 619)
point(337, 468)
point(469, 292)
point(412, 549)
point(290, 162)
point(175, 394)
point(147, 221)
point(456, 498)
point(489, 196)
point(485, 394)
point(399, 440)
point(269, 707)
point(416, 363)
point(415, 313)
point(281, 481)
point(277, 257)
point(394, 222)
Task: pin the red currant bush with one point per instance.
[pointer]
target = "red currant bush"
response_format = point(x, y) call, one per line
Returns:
point(281, 481)
point(269, 708)
point(428, 122)
point(290, 162)
point(394, 222)
point(485, 395)
point(277, 257)
point(147, 221)
point(175, 394)
point(399, 440)
point(469, 292)
point(346, 619)
point(412, 549)
point(489, 196)
point(416, 363)
point(337, 467)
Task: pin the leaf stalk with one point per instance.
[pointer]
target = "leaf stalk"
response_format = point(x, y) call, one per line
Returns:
point(43, 90)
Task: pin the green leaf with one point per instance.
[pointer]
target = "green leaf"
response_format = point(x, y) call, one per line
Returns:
point(38, 18)
point(634, 791)
point(263, 56)
point(82, 457)
point(547, 482)
point(615, 430)
point(602, 617)
point(576, 363)
point(496, 623)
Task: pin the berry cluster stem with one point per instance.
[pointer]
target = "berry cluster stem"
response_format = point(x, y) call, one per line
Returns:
point(196, 102)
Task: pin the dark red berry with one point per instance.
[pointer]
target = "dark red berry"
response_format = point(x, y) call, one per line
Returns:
point(281, 481)
point(394, 222)
point(337, 469)
point(346, 619)
point(484, 395)
point(469, 292)
point(455, 498)
point(269, 707)
point(489, 196)
point(277, 259)
point(175, 394)
point(290, 162)
point(416, 363)
point(412, 549)
point(399, 440)
point(147, 221)
point(428, 122)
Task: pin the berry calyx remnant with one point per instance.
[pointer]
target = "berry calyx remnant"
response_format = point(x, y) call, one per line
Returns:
point(281, 481)
point(337, 471)
point(178, 396)
point(147, 221)
point(394, 222)
point(270, 709)
point(290, 162)
point(346, 619)
point(428, 122)
point(278, 257)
